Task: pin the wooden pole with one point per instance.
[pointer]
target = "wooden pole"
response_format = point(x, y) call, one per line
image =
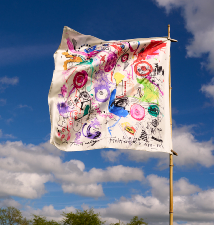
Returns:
point(171, 155)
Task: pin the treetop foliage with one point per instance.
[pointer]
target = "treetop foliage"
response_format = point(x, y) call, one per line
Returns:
point(13, 216)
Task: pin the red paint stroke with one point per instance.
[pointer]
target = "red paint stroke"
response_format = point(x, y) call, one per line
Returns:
point(146, 70)
point(102, 58)
point(119, 49)
point(151, 49)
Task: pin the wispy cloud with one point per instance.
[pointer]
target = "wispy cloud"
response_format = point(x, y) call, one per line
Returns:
point(9, 81)
point(8, 121)
point(6, 136)
point(2, 101)
point(24, 106)
point(6, 81)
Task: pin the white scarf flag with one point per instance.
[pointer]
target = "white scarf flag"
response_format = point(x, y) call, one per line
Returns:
point(110, 94)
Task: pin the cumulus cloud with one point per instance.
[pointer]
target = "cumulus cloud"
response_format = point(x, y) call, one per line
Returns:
point(199, 21)
point(190, 151)
point(24, 170)
point(22, 184)
point(85, 183)
point(208, 89)
point(191, 205)
point(48, 211)
point(9, 202)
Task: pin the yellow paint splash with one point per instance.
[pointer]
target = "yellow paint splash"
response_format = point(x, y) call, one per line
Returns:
point(118, 77)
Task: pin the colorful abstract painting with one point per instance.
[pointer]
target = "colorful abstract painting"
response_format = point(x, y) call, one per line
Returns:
point(110, 94)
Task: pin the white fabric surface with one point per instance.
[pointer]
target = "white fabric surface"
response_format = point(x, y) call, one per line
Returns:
point(110, 94)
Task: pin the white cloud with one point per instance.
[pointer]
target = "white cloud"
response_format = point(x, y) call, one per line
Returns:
point(208, 89)
point(190, 151)
point(48, 211)
point(191, 205)
point(85, 183)
point(9, 202)
point(92, 190)
point(199, 19)
point(24, 170)
point(22, 184)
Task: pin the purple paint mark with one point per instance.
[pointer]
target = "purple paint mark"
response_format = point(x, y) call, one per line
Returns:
point(78, 135)
point(149, 78)
point(89, 134)
point(63, 108)
point(95, 123)
point(101, 87)
point(111, 62)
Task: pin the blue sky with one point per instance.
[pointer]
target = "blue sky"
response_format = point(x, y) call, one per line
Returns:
point(117, 183)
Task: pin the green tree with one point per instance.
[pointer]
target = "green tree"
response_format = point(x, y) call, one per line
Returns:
point(136, 221)
point(41, 220)
point(86, 217)
point(12, 216)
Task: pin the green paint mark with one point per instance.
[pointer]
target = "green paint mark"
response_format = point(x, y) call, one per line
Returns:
point(91, 94)
point(151, 92)
point(86, 110)
point(153, 110)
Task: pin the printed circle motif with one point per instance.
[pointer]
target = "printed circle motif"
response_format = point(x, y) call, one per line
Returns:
point(102, 94)
point(143, 68)
point(153, 110)
point(125, 57)
point(111, 62)
point(80, 79)
point(137, 112)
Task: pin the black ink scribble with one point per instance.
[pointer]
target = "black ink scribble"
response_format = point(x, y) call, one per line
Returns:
point(157, 139)
point(120, 102)
point(143, 136)
point(155, 123)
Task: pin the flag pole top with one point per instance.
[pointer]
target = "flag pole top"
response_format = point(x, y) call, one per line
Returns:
point(168, 31)
point(172, 40)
